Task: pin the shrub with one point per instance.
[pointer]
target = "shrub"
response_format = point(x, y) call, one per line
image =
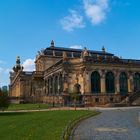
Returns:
point(4, 100)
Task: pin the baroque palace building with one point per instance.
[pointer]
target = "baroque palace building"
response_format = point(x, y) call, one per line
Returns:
point(100, 77)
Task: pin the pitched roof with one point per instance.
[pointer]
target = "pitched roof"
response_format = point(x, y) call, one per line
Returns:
point(69, 50)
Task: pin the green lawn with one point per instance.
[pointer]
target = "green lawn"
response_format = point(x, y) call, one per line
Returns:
point(27, 106)
point(36, 125)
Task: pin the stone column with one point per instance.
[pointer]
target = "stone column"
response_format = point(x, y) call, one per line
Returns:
point(57, 85)
point(53, 91)
point(65, 82)
point(117, 83)
point(88, 82)
point(130, 83)
point(60, 89)
point(51, 85)
point(84, 81)
point(103, 88)
point(46, 86)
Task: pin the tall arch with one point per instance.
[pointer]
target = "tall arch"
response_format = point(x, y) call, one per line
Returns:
point(123, 83)
point(136, 82)
point(95, 82)
point(110, 82)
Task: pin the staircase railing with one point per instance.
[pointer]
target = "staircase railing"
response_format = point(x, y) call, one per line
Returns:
point(134, 96)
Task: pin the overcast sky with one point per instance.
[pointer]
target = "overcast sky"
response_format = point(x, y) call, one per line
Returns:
point(27, 26)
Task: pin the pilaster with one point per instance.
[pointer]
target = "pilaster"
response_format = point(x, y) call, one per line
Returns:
point(130, 82)
point(88, 82)
point(117, 82)
point(103, 89)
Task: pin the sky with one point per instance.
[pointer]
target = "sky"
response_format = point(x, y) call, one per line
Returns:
point(27, 26)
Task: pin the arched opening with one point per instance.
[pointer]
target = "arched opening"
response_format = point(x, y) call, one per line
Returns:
point(95, 82)
point(123, 83)
point(136, 82)
point(76, 88)
point(110, 82)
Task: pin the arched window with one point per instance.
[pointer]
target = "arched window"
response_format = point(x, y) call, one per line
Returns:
point(110, 84)
point(123, 83)
point(56, 85)
point(95, 82)
point(136, 82)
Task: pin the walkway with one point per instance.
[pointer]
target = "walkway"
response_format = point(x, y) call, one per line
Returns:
point(116, 124)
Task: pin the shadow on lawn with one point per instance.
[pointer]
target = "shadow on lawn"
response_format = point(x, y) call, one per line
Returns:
point(13, 113)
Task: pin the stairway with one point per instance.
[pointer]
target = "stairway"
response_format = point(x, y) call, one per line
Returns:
point(131, 100)
point(134, 99)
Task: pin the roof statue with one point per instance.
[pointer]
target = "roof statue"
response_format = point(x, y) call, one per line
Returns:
point(103, 49)
point(84, 52)
point(53, 53)
point(52, 44)
point(18, 60)
point(42, 51)
point(64, 55)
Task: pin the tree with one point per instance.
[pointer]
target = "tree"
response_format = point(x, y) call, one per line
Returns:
point(75, 95)
point(4, 99)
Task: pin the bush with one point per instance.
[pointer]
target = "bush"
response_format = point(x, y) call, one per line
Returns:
point(4, 100)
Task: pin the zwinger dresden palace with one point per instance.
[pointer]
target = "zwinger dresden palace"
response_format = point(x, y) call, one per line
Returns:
point(101, 77)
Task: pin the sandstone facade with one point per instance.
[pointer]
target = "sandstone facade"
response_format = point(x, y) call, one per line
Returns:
point(103, 77)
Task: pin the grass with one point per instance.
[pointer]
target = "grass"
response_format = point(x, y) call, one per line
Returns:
point(15, 107)
point(47, 125)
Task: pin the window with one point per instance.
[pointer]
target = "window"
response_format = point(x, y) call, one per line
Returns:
point(97, 100)
point(95, 82)
point(110, 84)
point(136, 82)
point(123, 83)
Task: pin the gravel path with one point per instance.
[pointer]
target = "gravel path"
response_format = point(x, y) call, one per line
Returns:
point(119, 124)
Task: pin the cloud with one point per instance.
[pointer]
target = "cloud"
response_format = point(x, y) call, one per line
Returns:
point(29, 65)
point(72, 21)
point(76, 47)
point(96, 10)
